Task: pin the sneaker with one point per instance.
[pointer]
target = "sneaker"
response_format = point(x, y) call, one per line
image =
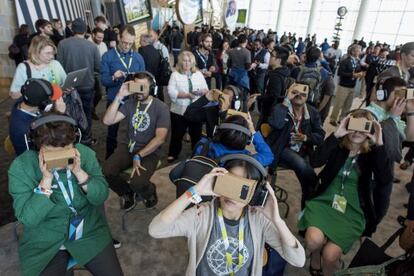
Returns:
point(128, 201)
point(117, 244)
point(152, 201)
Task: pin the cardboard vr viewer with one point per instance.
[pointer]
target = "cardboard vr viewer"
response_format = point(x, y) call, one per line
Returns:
point(59, 159)
point(138, 87)
point(234, 187)
point(360, 124)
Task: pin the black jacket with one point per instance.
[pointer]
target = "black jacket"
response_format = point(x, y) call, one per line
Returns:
point(275, 90)
point(176, 39)
point(201, 62)
point(281, 123)
point(331, 155)
point(198, 112)
point(152, 59)
point(345, 70)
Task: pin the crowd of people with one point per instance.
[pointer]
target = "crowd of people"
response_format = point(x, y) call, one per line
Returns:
point(231, 92)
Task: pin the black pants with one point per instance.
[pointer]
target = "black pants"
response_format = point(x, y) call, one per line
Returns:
point(111, 137)
point(87, 104)
point(122, 160)
point(409, 156)
point(179, 127)
point(105, 263)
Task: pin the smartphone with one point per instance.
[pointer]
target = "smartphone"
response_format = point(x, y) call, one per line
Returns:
point(234, 187)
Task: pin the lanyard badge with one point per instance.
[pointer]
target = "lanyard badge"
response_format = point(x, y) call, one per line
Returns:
point(77, 221)
point(339, 202)
point(127, 67)
point(229, 257)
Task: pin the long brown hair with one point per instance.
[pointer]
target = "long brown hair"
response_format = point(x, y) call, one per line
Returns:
point(366, 145)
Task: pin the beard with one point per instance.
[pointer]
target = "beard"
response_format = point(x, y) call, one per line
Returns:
point(141, 97)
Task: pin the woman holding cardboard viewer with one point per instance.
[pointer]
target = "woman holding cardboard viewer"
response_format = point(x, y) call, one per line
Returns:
point(341, 211)
point(226, 236)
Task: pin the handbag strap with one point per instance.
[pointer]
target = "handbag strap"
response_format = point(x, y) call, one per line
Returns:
point(392, 238)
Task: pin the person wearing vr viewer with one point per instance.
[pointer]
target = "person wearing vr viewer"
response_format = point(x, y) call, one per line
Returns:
point(118, 65)
point(340, 211)
point(148, 123)
point(38, 96)
point(295, 129)
point(212, 107)
point(226, 236)
point(56, 190)
point(390, 100)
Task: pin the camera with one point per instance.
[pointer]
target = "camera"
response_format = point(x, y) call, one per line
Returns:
point(138, 87)
point(59, 159)
point(360, 124)
point(240, 189)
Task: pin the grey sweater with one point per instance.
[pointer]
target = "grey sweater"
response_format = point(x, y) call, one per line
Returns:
point(76, 53)
point(197, 229)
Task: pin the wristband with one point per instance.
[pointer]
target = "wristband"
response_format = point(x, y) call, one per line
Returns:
point(119, 99)
point(84, 183)
point(42, 191)
point(193, 195)
point(137, 157)
point(410, 114)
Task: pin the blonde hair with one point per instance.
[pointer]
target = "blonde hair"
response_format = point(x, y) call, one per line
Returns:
point(37, 44)
point(365, 146)
point(181, 56)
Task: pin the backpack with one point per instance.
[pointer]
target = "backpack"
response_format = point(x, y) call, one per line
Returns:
point(312, 77)
point(74, 109)
point(187, 173)
point(14, 51)
point(164, 71)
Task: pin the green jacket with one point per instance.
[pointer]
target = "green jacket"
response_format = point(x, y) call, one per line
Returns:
point(46, 220)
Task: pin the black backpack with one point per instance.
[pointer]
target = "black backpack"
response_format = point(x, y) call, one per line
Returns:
point(164, 71)
point(187, 173)
point(312, 77)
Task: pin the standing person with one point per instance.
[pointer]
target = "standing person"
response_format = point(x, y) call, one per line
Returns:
point(68, 29)
point(245, 229)
point(116, 64)
point(204, 56)
point(300, 49)
point(49, 212)
point(110, 36)
point(148, 125)
point(324, 46)
point(158, 45)
point(176, 40)
point(43, 28)
point(349, 71)
point(21, 40)
point(41, 64)
point(239, 63)
point(97, 38)
point(151, 56)
point(222, 59)
point(335, 218)
point(69, 51)
point(333, 55)
point(260, 57)
point(58, 32)
point(186, 85)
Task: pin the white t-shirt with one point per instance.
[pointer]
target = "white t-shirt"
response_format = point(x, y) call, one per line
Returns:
point(54, 72)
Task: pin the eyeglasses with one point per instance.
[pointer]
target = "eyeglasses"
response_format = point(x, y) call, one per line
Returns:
point(126, 43)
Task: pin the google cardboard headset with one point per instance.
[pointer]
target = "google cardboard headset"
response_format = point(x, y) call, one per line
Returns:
point(46, 119)
point(248, 191)
point(153, 88)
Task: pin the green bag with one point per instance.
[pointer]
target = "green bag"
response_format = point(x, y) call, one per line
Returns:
point(369, 270)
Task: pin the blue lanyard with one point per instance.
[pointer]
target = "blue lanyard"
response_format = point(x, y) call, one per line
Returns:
point(68, 199)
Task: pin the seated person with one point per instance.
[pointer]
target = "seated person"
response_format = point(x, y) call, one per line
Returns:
point(38, 96)
point(387, 105)
point(295, 129)
point(148, 121)
point(207, 109)
point(227, 141)
point(246, 228)
point(48, 201)
point(340, 210)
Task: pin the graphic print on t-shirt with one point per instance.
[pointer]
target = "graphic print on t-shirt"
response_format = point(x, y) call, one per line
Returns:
point(216, 256)
point(143, 119)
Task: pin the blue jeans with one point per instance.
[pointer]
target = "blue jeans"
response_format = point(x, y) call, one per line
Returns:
point(303, 170)
point(87, 97)
point(275, 265)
